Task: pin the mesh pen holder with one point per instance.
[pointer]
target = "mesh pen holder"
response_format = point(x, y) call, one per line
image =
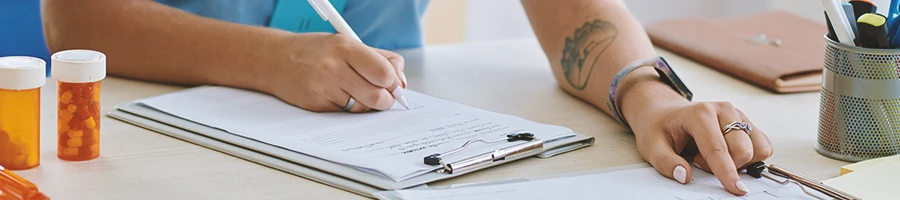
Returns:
point(859, 114)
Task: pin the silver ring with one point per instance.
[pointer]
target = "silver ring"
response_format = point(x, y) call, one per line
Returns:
point(350, 104)
point(737, 126)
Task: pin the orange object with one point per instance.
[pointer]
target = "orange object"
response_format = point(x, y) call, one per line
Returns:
point(78, 115)
point(20, 97)
point(13, 187)
point(78, 73)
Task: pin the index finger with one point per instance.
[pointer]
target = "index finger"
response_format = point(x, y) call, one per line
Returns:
point(397, 61)
point(714, 150)
point(374, 67)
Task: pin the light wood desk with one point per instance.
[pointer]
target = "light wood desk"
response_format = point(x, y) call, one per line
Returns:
point(510, 77)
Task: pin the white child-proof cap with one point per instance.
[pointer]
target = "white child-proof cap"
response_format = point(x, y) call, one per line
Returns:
point(78, 66)
point(22, 73)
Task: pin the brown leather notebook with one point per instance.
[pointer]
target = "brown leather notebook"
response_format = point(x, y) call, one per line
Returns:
point(788, 58)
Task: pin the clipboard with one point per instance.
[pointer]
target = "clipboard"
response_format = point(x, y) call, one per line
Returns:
point(303, 165)
point(754, 171)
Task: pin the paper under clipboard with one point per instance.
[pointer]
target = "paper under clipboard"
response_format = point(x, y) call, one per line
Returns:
point(341, 175)
point(638, 181)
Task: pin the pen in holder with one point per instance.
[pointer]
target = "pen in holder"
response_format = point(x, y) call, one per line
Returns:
point(859, 114)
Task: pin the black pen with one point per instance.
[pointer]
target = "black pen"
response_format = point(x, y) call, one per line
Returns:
point(861, 7)
point(873, 31)
point(831, 34)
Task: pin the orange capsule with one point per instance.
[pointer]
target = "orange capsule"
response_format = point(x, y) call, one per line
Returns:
point(81, 113)
point(89, 123)
point(88, 140)
point(69, 151)
point(93, 107)
point(78, 101)
point(77, 89)
point(76, 124)
point(88, 93)
point(63, 140)
point(77, 133)
point(63, 86)
point(66, 97)
point(74, 142)
point(72, 108)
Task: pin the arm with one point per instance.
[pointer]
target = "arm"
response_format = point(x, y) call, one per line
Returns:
point(150, 41)
point(589, 41)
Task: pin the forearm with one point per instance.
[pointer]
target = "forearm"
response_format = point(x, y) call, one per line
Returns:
point(588, 42)
point(150, 41)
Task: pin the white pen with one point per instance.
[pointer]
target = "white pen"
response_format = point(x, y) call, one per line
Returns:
point(839, 21)
point(330, 14)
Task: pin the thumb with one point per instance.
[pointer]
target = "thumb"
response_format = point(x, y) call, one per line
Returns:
point(661, 155)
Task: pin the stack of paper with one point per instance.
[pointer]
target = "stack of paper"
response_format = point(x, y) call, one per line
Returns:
point(390, 143)
point(641, 183)
point(875, 182)
point(867, 163)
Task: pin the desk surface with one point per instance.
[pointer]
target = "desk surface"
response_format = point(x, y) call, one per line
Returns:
point(510, 77)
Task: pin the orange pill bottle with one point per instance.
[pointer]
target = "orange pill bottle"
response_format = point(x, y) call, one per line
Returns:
point(14, 187)
point(78, 74)
point(21, 79)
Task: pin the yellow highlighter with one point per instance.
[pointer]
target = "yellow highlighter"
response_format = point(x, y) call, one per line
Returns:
point(873, 31)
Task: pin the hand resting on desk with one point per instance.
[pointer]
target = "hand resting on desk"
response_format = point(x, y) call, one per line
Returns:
point(589, 41)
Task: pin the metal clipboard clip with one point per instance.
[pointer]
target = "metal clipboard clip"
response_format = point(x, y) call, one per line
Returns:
point(785, 177)
point(532, 145)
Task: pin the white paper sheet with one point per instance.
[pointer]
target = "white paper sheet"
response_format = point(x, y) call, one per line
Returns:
point(390, 143)
point(641, 183)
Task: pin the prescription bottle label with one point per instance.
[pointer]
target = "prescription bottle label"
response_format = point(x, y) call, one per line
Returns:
point(78, 117)
point(20, 128)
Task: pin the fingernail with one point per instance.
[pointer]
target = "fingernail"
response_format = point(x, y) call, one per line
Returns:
point(740, 185)
point(680, 174)
point(403, 78)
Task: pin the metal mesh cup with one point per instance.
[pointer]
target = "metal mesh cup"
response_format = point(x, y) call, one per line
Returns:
point(859, 114)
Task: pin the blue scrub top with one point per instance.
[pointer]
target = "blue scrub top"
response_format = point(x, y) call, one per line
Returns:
point(385, 24)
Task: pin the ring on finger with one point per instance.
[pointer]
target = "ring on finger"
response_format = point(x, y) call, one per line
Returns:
point(350, 104)
point(737, 126)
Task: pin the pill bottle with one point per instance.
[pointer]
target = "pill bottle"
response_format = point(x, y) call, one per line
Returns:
point(78, 74)
point(14, 187)
point(21, 79)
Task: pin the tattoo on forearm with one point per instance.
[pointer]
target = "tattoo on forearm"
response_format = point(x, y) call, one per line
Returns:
point(584, 49)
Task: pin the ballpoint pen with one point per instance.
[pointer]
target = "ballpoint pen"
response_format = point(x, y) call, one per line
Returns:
point(330, 14)
point(839, 21)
